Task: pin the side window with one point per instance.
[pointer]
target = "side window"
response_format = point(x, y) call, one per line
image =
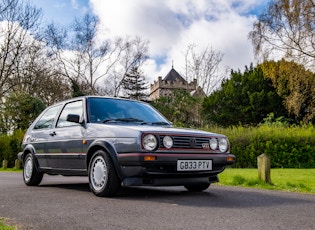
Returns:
point(47, 120)
point(70, 108)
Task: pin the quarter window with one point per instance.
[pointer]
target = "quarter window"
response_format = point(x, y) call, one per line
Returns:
point(47, 120)
point(70, 108)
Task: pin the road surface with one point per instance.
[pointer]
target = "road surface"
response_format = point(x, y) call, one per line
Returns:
point(67, 203)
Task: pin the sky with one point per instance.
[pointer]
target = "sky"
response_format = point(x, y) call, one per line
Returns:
point(170, 26)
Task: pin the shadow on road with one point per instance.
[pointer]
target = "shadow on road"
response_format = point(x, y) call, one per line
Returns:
point(215, 196)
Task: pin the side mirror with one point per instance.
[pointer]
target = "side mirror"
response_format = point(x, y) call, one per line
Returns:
point(73, 118)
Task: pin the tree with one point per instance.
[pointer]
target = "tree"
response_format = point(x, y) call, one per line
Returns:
point(133, 54)
point(40, 76)
point(203, 66)
point(19, 111)
point(87, 59)
point(78, 52)
point(25, 65)
point(296, 85)
point(287, 28)
point(182, 108)
point(19, 19)
point(135, 85)
point(245, 98)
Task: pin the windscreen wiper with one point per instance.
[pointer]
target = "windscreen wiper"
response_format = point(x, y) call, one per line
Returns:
point(156, 123)
point(127, 119)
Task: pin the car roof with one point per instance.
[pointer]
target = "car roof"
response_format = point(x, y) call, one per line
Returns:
point(94, 96)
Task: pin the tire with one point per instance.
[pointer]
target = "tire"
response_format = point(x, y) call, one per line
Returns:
point(197, 187)
point(103, 179)
point(31, 175)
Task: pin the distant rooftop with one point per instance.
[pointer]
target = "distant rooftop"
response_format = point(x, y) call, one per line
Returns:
point(173, 75)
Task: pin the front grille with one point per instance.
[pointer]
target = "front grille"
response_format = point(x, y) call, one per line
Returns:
point(186, 142)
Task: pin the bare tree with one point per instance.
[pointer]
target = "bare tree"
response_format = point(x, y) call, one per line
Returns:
point(77, 53)
point(86, 57)
point(203, 66)
point(18, 21)
point(5, 4)
point(286, 28)
point(133, 55)
point(41, 76)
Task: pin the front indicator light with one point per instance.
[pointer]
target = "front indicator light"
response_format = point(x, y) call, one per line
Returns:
point(230, 159)
point(149, 158)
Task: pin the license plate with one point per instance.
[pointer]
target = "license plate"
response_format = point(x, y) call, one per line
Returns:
point(194, 165)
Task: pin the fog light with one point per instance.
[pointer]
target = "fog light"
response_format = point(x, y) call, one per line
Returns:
point(149, 158)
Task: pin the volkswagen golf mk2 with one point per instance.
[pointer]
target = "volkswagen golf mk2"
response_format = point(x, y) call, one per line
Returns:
point(119, 142)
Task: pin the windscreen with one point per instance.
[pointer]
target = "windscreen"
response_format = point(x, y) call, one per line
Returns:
point(109, 110)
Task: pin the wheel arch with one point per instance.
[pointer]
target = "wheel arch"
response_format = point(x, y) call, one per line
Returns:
point(28, 149)
point(108, 149)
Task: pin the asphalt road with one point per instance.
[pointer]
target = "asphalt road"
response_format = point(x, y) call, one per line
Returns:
point(66, 203)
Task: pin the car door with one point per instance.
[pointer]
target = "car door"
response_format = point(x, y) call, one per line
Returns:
point(67, 140)
point(41, 134)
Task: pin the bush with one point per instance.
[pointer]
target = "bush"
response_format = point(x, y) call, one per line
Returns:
point(287, 146)
point(10, 145)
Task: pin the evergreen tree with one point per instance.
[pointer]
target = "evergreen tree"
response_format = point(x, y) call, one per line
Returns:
point(18, 111)
point(245, 98)
point(135, 85)
point(76, 89)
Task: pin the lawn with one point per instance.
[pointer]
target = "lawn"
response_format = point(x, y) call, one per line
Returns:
point(5, 226)
point(291, 180)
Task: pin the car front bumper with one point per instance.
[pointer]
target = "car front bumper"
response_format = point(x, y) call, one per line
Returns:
point(20, 156)
point(162, 170)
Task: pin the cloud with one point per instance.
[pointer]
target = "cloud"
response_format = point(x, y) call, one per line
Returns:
point(171, 25)
point(75, 4)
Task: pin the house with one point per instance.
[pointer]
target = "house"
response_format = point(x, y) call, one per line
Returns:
point(173, 80)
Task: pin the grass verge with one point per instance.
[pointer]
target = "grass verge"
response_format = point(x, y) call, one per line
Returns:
point(10, 170)
point(6, 226)
point(290, 180)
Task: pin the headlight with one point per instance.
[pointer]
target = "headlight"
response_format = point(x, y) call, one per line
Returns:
point(168, 142)
point(149, 142)
point(223, 145)
point(213, 143)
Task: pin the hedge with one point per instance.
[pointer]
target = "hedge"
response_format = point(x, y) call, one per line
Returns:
point(287, 147)
point(10, 145)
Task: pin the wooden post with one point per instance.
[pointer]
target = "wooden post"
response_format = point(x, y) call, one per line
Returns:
point(17, 164)
point(5, 164)
point(263, 162)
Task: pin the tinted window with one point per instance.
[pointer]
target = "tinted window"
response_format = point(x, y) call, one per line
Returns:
point(70, 108)
point(47, 120)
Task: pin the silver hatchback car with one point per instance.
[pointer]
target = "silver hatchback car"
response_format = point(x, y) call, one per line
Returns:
point(118, 142)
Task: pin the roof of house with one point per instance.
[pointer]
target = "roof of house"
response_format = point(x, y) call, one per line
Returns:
point(173, 75)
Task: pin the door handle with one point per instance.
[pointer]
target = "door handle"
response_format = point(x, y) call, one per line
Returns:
point(52, 133)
